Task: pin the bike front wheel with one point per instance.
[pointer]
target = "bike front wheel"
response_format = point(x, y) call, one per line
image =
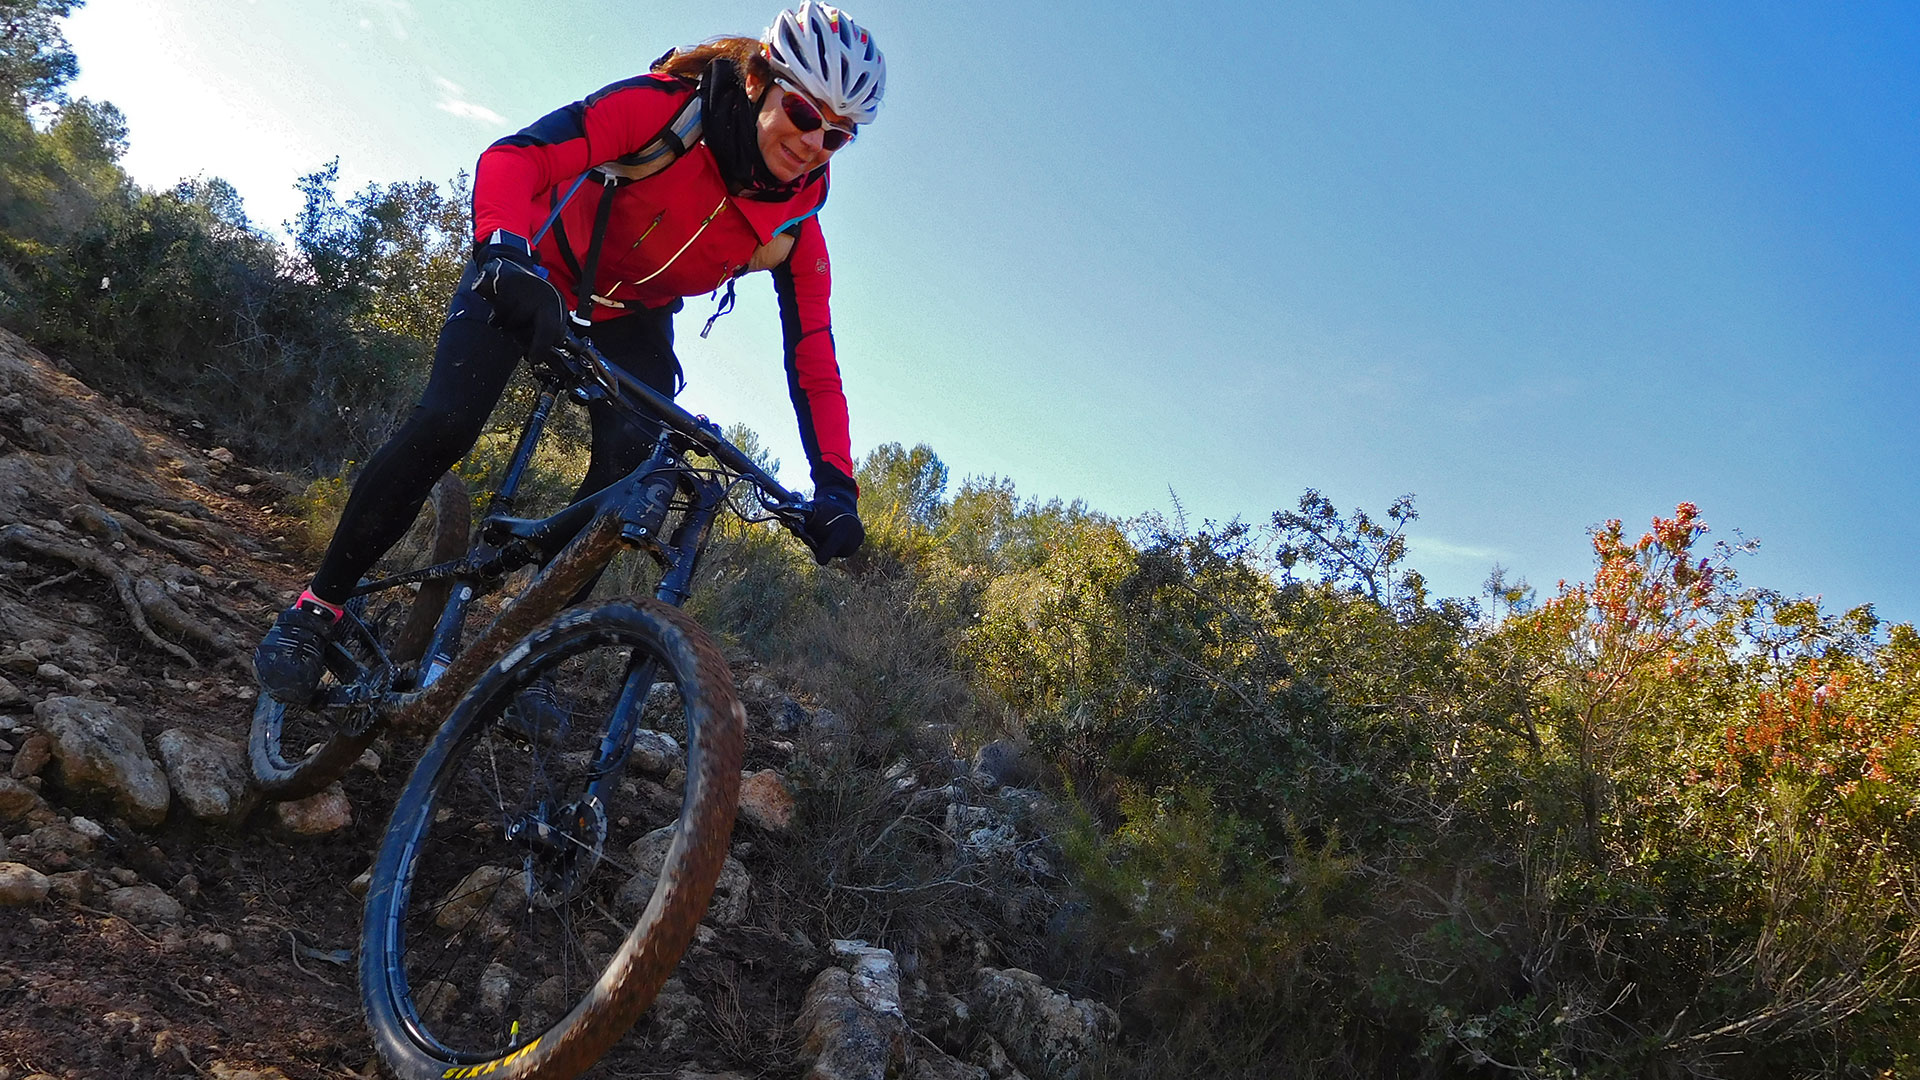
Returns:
point(534, 890)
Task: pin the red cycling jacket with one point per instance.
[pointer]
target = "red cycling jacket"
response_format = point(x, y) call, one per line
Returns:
point(674, 234)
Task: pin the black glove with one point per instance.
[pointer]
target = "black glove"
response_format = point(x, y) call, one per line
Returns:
point(525, 304)
point(833, 525)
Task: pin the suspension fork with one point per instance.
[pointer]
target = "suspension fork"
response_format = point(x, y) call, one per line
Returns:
point(689, 539)
point(616, 744)
point(681, 552)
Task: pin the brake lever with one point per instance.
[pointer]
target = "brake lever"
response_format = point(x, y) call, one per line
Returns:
point(793, 515)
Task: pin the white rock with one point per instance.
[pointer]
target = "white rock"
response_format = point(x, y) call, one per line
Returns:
point(1045, 1031)
point(496, 989)
point(876, 975)
point(656, 753)
point(845, 1039)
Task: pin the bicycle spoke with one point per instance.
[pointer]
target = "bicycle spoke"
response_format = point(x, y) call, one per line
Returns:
point(530, 803)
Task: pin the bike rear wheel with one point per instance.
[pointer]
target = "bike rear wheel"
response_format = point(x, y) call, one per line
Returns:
point(529, 898)
point(297, 750)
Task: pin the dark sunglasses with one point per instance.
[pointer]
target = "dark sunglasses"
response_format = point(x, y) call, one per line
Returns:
point(805, 115)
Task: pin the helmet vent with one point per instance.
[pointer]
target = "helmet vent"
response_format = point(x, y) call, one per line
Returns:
point(826, 55)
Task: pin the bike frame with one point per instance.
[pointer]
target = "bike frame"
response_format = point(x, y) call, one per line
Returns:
point(572, 545)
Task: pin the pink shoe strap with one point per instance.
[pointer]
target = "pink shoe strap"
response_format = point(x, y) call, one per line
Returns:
point(307, 599)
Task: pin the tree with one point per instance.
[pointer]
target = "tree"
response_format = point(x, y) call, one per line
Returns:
point(1615, 647)
point(912, 482)
point(36, 63)
point(1360, 554)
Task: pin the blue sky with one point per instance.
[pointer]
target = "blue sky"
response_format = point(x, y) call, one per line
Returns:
point(1540, 264)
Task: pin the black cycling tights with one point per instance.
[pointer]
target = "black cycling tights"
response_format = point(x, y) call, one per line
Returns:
point(471, 364)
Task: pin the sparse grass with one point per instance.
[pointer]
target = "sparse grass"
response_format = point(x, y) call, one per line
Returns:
point(878, 655)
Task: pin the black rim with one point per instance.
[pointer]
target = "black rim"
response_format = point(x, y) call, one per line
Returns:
point(516, 867)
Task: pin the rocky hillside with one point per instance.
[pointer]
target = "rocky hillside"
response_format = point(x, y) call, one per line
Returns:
point(157, 919)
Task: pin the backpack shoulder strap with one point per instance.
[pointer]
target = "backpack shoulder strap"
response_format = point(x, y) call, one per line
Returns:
point(681, 132)
point(660, 151)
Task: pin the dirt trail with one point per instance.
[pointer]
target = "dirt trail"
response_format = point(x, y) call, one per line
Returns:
point(144, 934)
point(137, 566)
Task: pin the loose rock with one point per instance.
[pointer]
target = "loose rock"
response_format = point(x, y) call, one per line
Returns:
point(462, 905)
point(21, 885)
point(75, 886)
point(1044, 1031)
point(663, 709)
point(58, 837)
point(765, 801)
point(963, 820)
point(999, 839)
point(208, 773)
point(673, 1014)
point(496, 989)
point(549, 999)
point(97, 750)
point(1000, 763)
point(845, 1039)
point(655, 753)
point(436, 1000)
point(791, 717)
point(145, 904)
point(731, 893)
point(876, 975)
point(18, 802)
point(316, 815)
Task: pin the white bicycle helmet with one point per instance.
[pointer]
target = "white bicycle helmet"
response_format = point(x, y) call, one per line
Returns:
point(823, 52)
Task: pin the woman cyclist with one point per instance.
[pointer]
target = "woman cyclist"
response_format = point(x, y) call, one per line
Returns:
point(666, 185)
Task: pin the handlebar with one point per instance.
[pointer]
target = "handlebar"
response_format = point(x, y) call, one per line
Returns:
point(580, 361)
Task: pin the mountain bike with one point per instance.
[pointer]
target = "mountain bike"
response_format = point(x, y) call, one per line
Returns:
point(533, 890)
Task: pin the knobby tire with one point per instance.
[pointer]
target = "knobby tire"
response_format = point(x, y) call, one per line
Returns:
point(507, 915)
